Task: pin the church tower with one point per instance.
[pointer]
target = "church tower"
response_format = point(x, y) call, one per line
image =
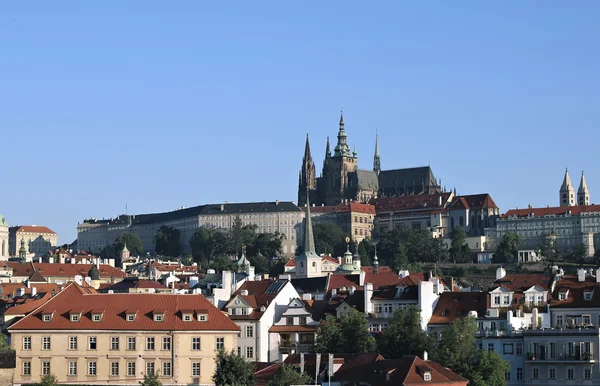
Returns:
point(307, 183)
point(567, 191)
point(337, 167)
point(376, 158)
point(583, 194)
point(308, 264)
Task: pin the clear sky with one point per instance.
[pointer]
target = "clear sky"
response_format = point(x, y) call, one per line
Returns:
point(162, 104)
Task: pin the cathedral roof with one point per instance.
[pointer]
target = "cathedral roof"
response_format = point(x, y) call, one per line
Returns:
point(424, 203)
point(474, 201)
point(365, 179)
point(409, 177)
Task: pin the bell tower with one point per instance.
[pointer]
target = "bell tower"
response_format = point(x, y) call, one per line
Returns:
point(567, 191)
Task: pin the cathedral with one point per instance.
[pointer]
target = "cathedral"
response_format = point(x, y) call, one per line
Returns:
point(342, 180)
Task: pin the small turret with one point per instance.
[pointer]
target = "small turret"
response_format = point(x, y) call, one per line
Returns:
point(567, 191)
point(583, 194)
point(375, 261)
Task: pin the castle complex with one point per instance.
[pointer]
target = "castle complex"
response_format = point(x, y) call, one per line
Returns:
point(341, 180)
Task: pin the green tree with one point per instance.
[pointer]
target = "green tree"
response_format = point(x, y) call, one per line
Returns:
point(151, 379)
point(260, 263)
point(458, 350)
point(403, 245)
point(240, 234)
point(349, 334)
point(187, 259)
point(547, 247)
point(330, 239)
point(577, 253)
point(3, 343)
point(277, 267)
point(267, 244)
point(508, 247)
point(48, 380)
point(167, 241)
point(134, 244)
point(202, 243)
point(459, 251)
point(287, 375)
point(404, 335)
point(233, 370)
point(366, 250)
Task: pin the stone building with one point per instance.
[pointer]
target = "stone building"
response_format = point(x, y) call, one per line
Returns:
point(342, 180)
point(4, 238)
point(38, 239)
point(278, 216)
point(356, 219)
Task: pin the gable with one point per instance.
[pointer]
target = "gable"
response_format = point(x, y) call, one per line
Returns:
point(296, 303)
point(238, 301)
point(501, 290)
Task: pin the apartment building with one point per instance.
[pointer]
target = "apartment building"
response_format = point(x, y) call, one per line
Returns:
point(84, 337)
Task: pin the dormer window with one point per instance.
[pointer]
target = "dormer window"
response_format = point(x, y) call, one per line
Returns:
point(588, 295)
point(159, 316)
point(427, 376)
point(130, 316)
point(202, 317)
point(47, 317)
point(187, 317)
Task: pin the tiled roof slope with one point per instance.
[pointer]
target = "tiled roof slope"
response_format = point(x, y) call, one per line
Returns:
point(522, 282)
point(575, 295)
point(19, 269)
point(31, 229)
point(71, 270)
point(417, 203)
point(556, 211)
point(452, 305)
point(114, 306)
point(260, 293)
point(474, 201)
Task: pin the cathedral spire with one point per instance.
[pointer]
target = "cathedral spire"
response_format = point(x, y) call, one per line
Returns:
point(341, 149)
point(309, 240)
point(376, 158)
point(308, 178)
point(583, 194)
point(307, 149)
point(328, 149)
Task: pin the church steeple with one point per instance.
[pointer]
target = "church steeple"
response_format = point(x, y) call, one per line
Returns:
point(328, 149)
point(308, 179)
point(567, 191)
point(583, 194)
point(309, 240)
point(376, 158)
point(341, 149)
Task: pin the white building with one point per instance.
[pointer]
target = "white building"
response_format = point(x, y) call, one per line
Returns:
point(294, 332)
point(3, 238)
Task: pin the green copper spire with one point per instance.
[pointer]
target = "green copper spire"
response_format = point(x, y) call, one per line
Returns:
point(309, 240)
point(341, 149)
point(328, 149)
point(22, 251)
point(125, 247)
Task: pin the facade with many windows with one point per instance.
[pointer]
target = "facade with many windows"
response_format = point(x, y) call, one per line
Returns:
point(84, 337)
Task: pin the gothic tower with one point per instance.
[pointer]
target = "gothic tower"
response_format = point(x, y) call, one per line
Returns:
point(583, 194)
point(336, 169)
point(567, 191)
point(307, 183)
point(376, 158)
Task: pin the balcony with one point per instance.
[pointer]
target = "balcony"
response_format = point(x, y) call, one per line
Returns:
point(576, 357)
point(295, 344)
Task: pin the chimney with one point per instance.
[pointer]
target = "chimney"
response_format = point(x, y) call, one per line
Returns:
point(72, 260)
point(351, 290)
point(368, 295)
point(425, 356)
point(339, 259)
point(222, 207)
point(33, 291)
point(276, 202)
point(581, 275)
point(333, 292)
point(500, 273)
point(451, 284)
point(361, 278)
point(439, 200)
point(301, 363)
point(598, 275)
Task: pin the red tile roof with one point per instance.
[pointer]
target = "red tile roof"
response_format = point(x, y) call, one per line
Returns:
point(556, 211)
point(19, 269)
point(474, 201)
point(350, 207)
point(292, 262)
point(385, 277)
point(452, 305)
point(522, 282)
point(71, 270)
point(31, 229)
point(260, 293)
point(576, 290)
point(79, 298)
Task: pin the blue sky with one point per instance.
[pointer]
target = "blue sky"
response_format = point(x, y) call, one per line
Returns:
point(162, 104)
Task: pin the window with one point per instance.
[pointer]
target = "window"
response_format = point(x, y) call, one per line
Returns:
point(195, 369)
point(114, 369)
point(187, 318)
point(535, 373)
point(497, 299)
point(46, 343)
point(203, 318)
point(196, 343)
point(559, 320)
point(427, 376)
point(26, 368)
point(45, 367)
point(131, 317)
point(92, 368)
point(506, 299)
point(97, 317)
point(490, 347)
point(562, 296)
point(150, 343)
point(158, 317)
point(303, 320)
point(92, 343)
point(587, 373)
point(507, 348)
point(239, 351)
point(166, 343)
point(26, 343)
point(289, 321)
point(586, 319)
point(552, 373)
point(47, 317)
point(570, 374)
point(249, 331)
point(507, 375)
point(72, 343)
point(114, 343)
point(131, 343)
point(72, 368)
point(74, 317)
point(249, 352)
point(519, 373)
point(166, 369)
point(149, 368)
point(131, 369)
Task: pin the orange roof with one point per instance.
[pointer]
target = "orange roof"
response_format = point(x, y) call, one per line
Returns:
point(292, 262)
point(31, 229)
point(556, 211)
point(71, 270)
point(452, 305)
point(19, 269)
point(83, 299)
point(355, 207)
point(260, 293)
point(29, 305)
point(425, 203)
point(522, 282)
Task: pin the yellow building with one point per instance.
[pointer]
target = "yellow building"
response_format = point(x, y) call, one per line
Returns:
point(83, 337)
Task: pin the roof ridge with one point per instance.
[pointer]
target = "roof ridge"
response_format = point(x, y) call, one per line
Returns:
point(30, 315)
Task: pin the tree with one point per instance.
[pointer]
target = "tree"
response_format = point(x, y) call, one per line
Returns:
point(260, 263)
point(403, 245)
point(134, 244)
point(3, 344)
point(151, 379)
point(329, 239)
point(48, 380)
point(458, 350)
point(287, 375)
point(459, 251)
point(366, 251)
point(167, 241)
point(233, 370)
point(277, 267)
point(267, 244)
point(201, 243)
point(404, 335)
point(349, 334)
point(508, 247)
point(577, 254)
point(547, 247)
